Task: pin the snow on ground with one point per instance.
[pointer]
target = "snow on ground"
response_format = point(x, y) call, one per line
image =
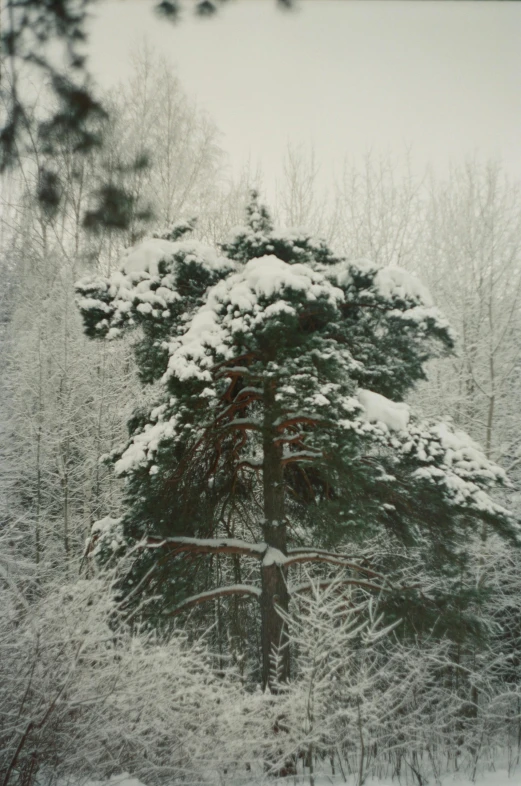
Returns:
point(498, 778)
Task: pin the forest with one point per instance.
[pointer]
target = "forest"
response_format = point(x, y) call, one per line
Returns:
point(260, 460)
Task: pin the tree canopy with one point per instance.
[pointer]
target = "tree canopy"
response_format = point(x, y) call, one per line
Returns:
point(278, 425)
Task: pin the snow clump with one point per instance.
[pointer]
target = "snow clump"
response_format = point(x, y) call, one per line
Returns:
point(379, 409)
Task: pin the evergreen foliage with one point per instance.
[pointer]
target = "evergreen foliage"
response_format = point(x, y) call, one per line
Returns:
point(279, 371)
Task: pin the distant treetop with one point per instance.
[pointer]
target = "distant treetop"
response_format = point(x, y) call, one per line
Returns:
point(75, 115)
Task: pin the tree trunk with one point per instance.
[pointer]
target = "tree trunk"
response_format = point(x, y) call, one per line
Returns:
point(273, 576)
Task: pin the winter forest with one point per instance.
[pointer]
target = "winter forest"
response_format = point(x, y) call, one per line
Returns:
point(260, 442)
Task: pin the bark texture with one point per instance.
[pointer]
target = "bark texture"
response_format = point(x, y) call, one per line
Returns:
point(274, 591)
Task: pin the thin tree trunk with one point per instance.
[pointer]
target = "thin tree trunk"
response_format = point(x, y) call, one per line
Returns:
point(37, 538)
point(37, 533)
point(273, 576)
point(66, 545)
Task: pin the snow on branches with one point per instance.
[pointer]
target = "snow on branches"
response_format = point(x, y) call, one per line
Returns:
point(153, 283)
point(279, 417)
point(265, 291)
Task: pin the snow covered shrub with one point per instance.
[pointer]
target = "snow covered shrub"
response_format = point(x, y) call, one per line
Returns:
point(84, 696)
point(53, 650)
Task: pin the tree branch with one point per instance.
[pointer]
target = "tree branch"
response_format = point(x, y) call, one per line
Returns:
point(220, 592)
point(209, 546)
point(328, 582)
point(333, 559)
point(297, 419)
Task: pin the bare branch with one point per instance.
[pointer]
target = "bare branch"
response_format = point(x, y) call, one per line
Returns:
point(328, 582)
point(220, 592)
point(297, 557)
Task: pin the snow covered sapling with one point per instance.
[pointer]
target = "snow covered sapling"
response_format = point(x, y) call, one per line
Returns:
point(280, 371)
point(358, 692)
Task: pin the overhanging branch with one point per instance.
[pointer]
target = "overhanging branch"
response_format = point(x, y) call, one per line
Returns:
point(208, 546)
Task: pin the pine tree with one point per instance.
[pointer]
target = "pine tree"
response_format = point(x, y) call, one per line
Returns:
point(278, 372)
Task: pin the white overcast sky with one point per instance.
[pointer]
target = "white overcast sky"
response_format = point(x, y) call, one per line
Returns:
point(347, 76)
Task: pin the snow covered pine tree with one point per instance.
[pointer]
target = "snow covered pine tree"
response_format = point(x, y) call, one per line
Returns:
point(276, 368)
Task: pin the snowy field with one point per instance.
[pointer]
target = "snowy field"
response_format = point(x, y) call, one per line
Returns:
point(500, 777)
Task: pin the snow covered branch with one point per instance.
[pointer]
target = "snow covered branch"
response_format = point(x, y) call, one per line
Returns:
point(326, 583)
point(297, 557)
point(213, 594)
point(208, 546)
